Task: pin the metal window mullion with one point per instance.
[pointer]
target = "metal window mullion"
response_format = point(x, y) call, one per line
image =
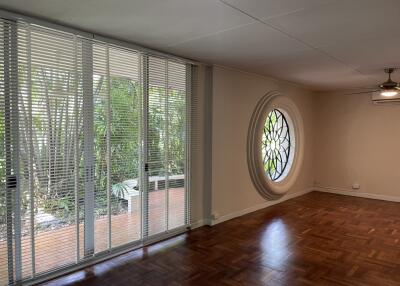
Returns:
point(30, 147)
point(15, 146)
point(108, 102)
point(76, 150)
point(144, 184)
point(140, 140)
point(88, 127)
point(10, 187)
point(188, 138)
point(166, 148)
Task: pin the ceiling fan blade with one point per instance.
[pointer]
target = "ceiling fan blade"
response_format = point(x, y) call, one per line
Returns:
point(361, 92)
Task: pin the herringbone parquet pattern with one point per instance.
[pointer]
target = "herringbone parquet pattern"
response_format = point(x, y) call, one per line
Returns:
point(315, 239)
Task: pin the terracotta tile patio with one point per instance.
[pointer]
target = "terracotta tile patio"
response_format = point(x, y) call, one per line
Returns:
point(57, 248)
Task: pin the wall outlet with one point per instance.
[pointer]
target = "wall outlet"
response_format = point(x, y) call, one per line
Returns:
point(355, 186)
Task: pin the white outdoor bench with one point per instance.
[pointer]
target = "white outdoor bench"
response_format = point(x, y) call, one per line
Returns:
point(131, 193)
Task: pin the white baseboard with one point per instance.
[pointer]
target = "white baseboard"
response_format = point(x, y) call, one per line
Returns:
point(332, 190)
point(353, 193)
point(259, 206)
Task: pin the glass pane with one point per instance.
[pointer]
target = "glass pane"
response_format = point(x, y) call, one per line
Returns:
point(157, 146)
point(100, 97)
point(176, 144)
point(50, 124)
point(125, 146)
point(166, 145)
point(117, 135)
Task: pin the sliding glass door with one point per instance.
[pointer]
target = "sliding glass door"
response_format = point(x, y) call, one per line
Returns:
point(165, 142)
point(117, 136)
point(93, 149)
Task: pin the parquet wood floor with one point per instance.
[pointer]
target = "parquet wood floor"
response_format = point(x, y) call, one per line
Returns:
point(315, 239)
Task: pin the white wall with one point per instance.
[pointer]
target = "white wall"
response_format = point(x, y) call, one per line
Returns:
point(235, 95)
point(198, 195)
point(357, 141)
point(347, 140)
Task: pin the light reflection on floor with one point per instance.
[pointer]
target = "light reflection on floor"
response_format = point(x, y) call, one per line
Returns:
point(275, 244)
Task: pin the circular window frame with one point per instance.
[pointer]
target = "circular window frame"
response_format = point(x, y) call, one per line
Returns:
point(269, 189)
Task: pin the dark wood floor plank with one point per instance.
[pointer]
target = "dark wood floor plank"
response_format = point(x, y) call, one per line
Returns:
point(315, 239)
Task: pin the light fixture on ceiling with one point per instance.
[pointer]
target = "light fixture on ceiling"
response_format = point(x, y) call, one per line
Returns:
point(389, 93)
point(389, 88)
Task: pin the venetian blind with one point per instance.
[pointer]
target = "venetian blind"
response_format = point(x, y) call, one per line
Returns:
point(94, 151)
point(166, 139)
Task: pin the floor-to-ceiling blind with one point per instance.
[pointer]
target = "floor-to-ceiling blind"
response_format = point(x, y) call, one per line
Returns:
point(94, 148)
point(166, 150)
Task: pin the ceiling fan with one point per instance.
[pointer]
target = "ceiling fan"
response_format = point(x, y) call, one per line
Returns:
point(388, 89)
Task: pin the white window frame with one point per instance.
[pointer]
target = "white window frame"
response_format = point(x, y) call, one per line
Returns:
point(274, 190)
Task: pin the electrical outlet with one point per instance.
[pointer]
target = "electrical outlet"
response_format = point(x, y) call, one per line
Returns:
point(355, 186)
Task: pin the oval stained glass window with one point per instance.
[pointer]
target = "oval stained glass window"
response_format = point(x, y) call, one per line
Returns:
point(276, 146)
